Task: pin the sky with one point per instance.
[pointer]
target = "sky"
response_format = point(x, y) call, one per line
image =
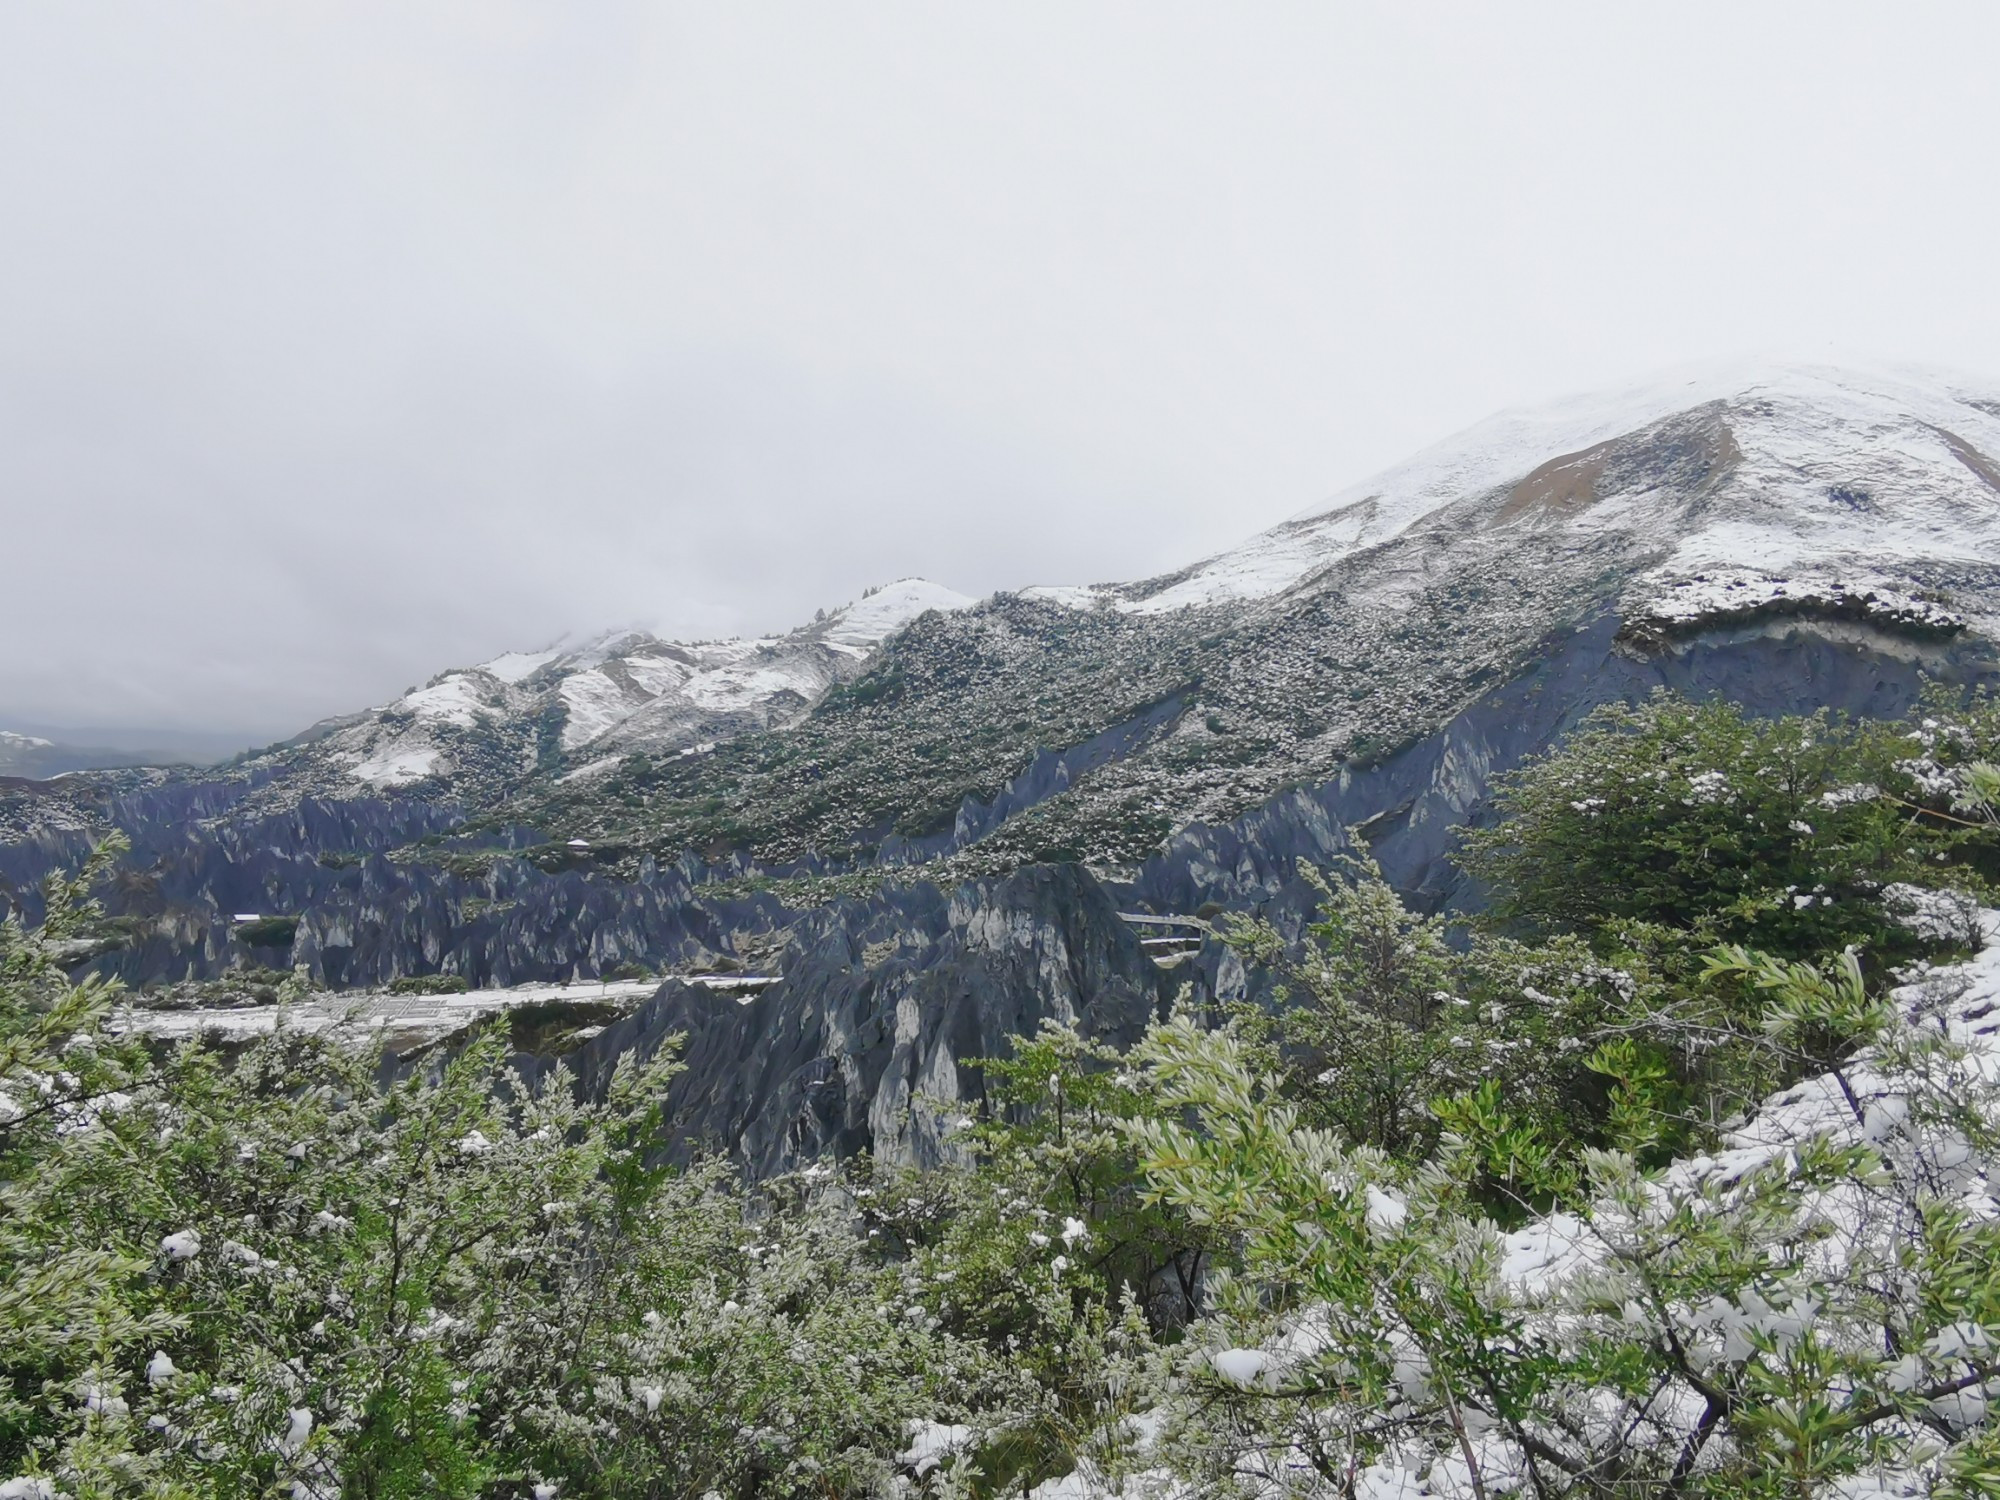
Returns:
point(342, 343)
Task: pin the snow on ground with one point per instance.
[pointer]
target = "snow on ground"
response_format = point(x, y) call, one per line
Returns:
point(396, 762)
point(613, 677)
point(454, 699)
point(414, 1017)
point(1735, 592)
point(656, 674)
point(590, 770)
point(513, 666)
point(1279, 558)
point(933, 1443)
point(408, 1016)
point(860, 627)
point(1887, 465)
point(730, 688)
point(596, 702)
point(1069, 596)
point(1546, 1261)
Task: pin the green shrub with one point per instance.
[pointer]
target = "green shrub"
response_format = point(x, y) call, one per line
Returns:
point(267, 932)
point(1782, 833)
point(271, 1272)
point(430, 984)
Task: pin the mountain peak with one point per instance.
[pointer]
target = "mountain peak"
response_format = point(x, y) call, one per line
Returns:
point(617, 693)
point(1809, 466)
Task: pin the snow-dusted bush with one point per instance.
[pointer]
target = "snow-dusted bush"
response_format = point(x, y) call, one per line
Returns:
point(1780, 832)
point(1812, 1307)
point(284, 1270)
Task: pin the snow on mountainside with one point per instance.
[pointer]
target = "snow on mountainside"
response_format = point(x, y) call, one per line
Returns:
point(1739, 498)
point(618, 693)
point(1861, 508)
point(1826, 469)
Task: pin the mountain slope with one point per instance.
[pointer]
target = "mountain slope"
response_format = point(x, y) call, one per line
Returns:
point(1823, 465)
point(475, 731)
point(1784, 539)
point(919, 733)
point(1866, 502)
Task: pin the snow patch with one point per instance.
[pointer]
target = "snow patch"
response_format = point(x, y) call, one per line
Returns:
point(1069, 596)
point(454, 699)
point(860, 627)
point(1823, 466)
point(931, 1443)
point(396, 763)
point(1677, 603)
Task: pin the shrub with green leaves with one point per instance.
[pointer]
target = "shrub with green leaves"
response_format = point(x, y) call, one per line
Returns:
point(1041, 1245)
point(1383, 1030)
point(276, 1271)
point(1819, 1305)
point(1783, 833)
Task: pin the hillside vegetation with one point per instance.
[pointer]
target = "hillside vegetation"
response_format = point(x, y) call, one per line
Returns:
point(1670, 1179)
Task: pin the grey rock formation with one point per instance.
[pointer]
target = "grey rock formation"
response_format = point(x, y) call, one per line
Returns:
point(869, 1040)
point(1408, 804)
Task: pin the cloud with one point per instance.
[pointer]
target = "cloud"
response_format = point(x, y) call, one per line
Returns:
point(343, 344)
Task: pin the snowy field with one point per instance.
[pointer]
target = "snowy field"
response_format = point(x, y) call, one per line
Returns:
point(410, 1018)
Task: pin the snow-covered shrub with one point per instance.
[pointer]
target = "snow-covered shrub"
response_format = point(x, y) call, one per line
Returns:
point(306, 1268)
point(1815, 1305)
point(1780, 832)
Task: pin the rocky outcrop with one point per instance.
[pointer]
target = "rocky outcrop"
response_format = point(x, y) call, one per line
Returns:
point(871, 1039)
point(1408, 805)
point(517, 924)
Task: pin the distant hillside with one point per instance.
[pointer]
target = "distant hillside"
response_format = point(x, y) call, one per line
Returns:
point(38, 756)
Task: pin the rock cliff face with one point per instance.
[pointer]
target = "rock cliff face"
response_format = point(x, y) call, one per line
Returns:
point(1408, 803)
point(865, 1042)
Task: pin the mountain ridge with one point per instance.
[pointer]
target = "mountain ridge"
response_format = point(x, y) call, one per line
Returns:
point(1750, 475)
point(991, 789)
point(919, 735)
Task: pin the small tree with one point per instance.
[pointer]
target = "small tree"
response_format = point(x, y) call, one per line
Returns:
point(1780, 833)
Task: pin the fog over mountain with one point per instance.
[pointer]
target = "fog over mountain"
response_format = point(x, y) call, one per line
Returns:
point(344, 343)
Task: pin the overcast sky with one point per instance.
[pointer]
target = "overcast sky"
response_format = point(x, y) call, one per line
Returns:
point(343, 343)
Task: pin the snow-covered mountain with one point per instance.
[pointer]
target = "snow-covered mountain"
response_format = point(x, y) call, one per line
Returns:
point(1805, 468)
point(584, 707)
point(1097, 721)
point(1788, 538)
point(1713, 492)
point(39, 756)
point(19, 753)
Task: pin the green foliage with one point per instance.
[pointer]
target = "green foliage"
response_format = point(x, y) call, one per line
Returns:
point(1780, 833)
point(1670, 1335)
point(1388, 1034)
point(267, 932)
point(1366, 1045)
point(430, 984)
point(1040, 1245)
point(1657, 1192)
point(277, 1271)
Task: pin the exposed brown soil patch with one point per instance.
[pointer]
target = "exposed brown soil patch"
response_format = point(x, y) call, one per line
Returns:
point(1559, 488)
point(1690, 454)
point(1971, 457)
